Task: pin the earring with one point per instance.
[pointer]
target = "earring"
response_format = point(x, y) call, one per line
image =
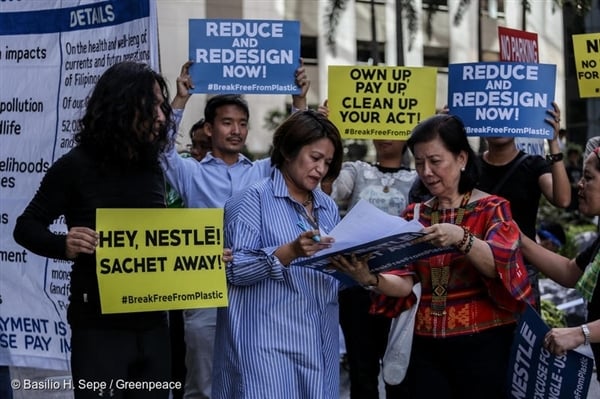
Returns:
point(462, 169)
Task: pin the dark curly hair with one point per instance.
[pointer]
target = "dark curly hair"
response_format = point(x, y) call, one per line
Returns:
point(117, 127)
point(303, 128)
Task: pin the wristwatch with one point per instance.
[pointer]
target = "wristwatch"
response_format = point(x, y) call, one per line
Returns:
point(553, 158)
point(586, 334)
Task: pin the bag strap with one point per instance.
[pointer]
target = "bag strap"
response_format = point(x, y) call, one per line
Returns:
point(416, 211)
point(512, 169)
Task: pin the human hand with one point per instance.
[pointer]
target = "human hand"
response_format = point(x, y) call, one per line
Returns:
point(184, 80)
point(442, 235)
point(80, 240)
point(356, 267)
point(303, 82)
point(184, 85)
point(560, 340)
point(306, 245)
point(554, 120)
point(323, 109)
point(227, 255)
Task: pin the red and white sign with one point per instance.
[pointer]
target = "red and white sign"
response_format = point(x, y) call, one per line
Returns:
point(518, 45)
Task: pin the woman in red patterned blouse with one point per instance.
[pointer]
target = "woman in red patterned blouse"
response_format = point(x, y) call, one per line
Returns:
point(472, 296)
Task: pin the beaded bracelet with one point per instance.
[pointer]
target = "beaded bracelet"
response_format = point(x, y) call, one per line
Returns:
point(464, 239)
point(470, 244)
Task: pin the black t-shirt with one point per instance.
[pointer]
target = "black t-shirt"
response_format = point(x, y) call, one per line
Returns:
point(75, 186)
point(574, 172)
point(521, 189)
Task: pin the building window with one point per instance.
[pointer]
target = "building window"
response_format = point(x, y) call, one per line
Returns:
point(308, 50)
point(435, 3)
point(367, 31)
point(435, 56)
point(364, 54)
point(493, 8)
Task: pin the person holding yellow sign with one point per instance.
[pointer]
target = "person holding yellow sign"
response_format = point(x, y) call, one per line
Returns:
point(279, 336)
point(114, 165)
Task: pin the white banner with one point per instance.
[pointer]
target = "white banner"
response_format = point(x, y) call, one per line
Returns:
point(51, 55)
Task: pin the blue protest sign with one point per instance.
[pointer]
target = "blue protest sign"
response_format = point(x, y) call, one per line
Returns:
point(507, 99)
point(534, 372)
point(244, 56)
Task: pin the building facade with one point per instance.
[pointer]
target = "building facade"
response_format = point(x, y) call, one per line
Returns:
point(436, 38)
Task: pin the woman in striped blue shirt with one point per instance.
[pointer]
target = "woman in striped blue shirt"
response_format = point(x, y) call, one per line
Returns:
point(279, 336)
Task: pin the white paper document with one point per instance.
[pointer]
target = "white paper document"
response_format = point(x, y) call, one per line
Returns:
point(366, 223)
point(367, 229)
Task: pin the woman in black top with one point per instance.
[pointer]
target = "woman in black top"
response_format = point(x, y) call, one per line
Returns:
point(581, 272)
point(114, 165)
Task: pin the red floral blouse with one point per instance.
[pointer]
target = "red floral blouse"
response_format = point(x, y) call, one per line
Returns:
point(473, 302)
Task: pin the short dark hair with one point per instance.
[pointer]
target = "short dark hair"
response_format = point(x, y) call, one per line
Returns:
point(451, 130)
point(196, 126)
point(303, 128)
point(216, 102)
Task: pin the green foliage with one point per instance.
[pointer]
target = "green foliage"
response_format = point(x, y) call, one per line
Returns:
point(335, 9)
point(581, 7)
point(570, 249)
point(409, 9)
point(552, 315)
point(573, 222)
point(273, 119)
point(461, 10)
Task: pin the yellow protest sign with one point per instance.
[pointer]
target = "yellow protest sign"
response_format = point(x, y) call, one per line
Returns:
point(586, 48)
point(379, 102)
point(160, 259)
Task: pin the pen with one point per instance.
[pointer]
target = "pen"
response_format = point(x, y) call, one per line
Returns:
point(304, 227)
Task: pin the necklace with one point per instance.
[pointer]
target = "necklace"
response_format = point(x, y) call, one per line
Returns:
point(388, 177)
point(312, 218)
point(387, 181)
point(308, 200)
point(441, 275)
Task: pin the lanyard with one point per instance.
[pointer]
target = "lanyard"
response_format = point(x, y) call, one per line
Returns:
point(313, 223)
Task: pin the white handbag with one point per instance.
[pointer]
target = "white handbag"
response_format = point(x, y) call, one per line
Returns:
point(397, 353)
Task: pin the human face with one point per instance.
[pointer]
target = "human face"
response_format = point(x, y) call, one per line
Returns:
point(438, 168)
point(158, 120)
point(588, 188)
point(389, 148)
point(201, 144)
point(305, 171)
point(159, 116)
point(228, 132)
point(499, 141)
